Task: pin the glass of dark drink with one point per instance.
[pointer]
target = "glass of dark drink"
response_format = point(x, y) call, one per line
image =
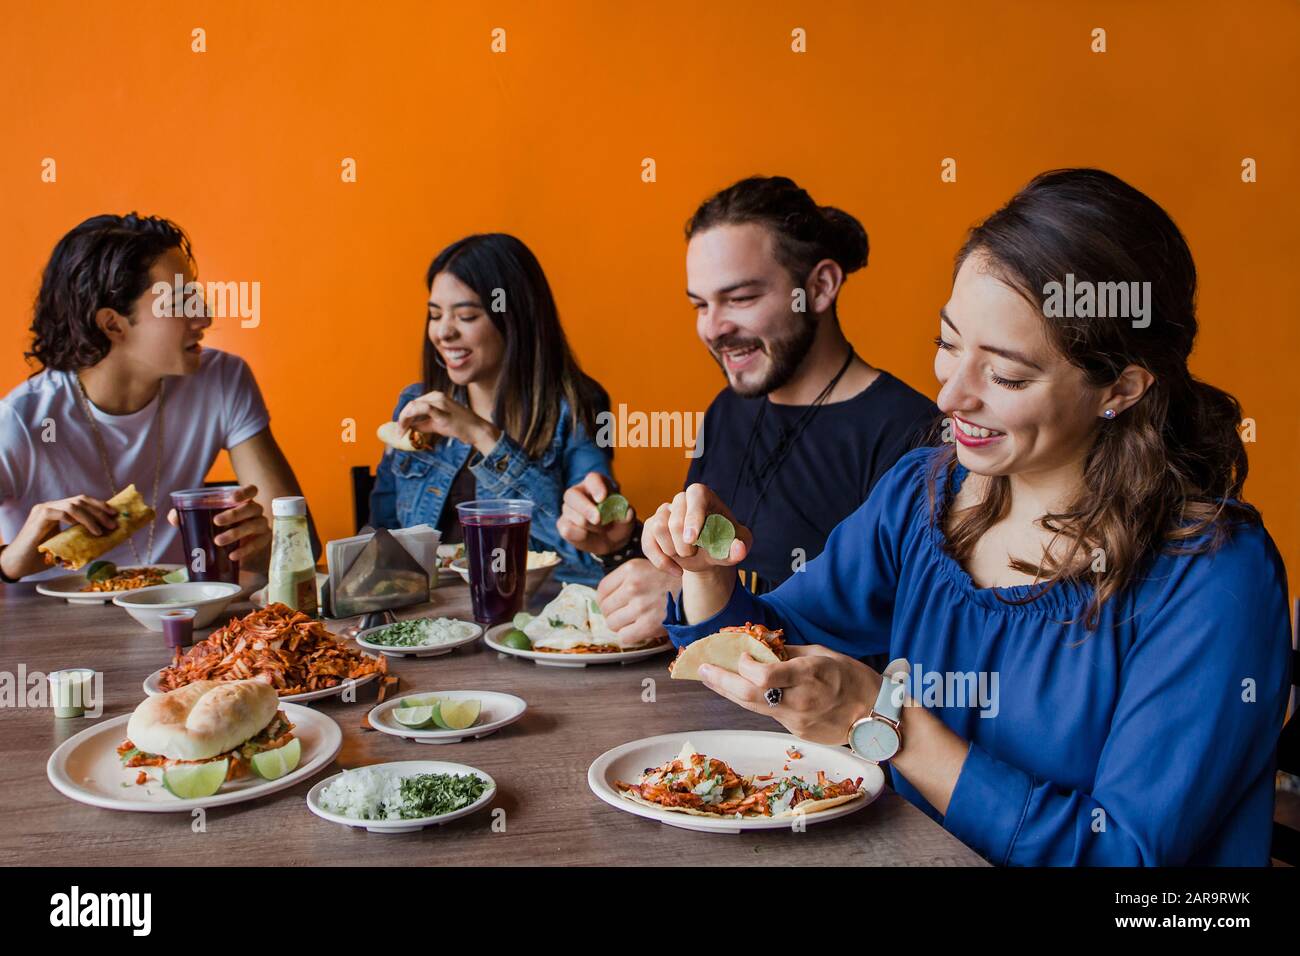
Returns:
point(496, 543)
point(196, 507)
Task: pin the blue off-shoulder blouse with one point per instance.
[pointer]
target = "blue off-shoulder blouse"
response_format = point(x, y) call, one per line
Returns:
point(1150, 740)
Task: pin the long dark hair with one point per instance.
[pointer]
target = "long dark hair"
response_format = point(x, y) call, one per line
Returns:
point(102, 263)
point(1171, 467)
point(538, 369)
point(805, 232)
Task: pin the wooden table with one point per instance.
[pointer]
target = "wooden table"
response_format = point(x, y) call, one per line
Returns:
point(540, 765)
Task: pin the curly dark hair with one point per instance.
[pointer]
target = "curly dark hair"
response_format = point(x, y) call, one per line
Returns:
point(102, 263)
point(805, 232)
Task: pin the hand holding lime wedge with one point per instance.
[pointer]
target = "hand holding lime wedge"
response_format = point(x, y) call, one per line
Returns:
point(614, 508)
point(716, 536)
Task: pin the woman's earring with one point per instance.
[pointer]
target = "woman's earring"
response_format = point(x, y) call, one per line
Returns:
point(1108, 414)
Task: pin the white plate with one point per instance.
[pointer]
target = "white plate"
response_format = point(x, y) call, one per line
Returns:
point(556, 659)
point(448, 551)
point(498, 711)
point(746, 752)
point(69, 586)
point(431, 650)
point(153, 687)
point(535, 574)
point(87, 769)
point(405, 767)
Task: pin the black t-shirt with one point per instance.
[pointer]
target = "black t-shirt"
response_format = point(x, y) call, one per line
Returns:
point(833, 464)
point(463, 488)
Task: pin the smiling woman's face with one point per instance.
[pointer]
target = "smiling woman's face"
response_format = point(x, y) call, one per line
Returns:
point(1018, 407)
point(459, 328)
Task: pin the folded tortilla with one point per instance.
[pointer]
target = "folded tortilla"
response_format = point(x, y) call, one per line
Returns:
point(390, 433)
point(76, 547)
point(723, 649)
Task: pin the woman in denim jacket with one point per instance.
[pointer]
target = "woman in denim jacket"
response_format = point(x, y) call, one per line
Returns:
point(504, 407)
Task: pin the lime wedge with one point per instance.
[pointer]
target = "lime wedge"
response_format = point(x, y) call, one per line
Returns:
point(613, 508)
point(457, 714)
point(274, 764)
point(100, 570)
point(518, 640)
point(413, 702)
point(522, 620)
point(179, 576)
point(196, 779)
point(415, 717)
point(716, 537)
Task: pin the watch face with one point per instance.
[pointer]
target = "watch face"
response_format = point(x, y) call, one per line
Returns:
point(874, 740)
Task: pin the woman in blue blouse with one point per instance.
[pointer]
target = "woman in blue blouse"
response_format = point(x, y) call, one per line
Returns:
point(1096, 625)
point(510, 412)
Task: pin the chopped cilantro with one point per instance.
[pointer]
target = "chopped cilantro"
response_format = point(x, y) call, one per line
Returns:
point(433, 794)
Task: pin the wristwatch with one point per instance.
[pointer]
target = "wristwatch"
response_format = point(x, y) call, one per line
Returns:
point(629, 551)
point(878, 736)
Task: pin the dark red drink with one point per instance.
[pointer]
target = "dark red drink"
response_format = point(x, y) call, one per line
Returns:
point(195, 508)
point(496, 544)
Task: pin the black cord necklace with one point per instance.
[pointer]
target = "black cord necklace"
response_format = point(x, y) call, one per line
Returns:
point(762, 477)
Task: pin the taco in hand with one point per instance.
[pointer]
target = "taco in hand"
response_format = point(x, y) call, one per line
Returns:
point(725, 648)
point(391, 434)
point(76, 547)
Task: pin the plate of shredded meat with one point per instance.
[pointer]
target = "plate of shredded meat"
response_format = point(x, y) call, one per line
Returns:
point(78, 589)
point(726, 781)
point(286, 648)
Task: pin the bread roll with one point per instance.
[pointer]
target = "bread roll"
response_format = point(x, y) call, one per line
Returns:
point(202, 719)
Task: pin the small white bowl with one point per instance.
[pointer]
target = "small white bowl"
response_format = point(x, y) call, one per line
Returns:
point(208, 598)
point(536, 576)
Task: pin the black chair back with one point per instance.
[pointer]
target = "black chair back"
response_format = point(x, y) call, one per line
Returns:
point(362, 482)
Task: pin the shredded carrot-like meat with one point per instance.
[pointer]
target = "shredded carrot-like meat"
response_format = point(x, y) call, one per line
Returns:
point(128, 579)
point(675, 783)
point(278, 645)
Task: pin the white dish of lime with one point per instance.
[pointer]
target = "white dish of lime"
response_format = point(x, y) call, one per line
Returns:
point(86, 768)
point(402, 796)
point(419, 637)
point(447, 717)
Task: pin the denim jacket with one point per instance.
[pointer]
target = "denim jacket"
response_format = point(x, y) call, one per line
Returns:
point(411, 486)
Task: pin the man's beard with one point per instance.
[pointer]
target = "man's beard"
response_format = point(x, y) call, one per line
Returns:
point(786, 355)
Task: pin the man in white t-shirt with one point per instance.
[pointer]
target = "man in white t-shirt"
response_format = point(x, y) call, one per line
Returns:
point(128, 396)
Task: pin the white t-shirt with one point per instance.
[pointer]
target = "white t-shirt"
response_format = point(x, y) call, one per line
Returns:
point(48, 450)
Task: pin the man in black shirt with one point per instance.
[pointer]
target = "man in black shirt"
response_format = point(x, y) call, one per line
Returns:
point(805, 427)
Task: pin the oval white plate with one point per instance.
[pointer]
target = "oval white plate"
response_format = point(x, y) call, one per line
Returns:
point(746, 752)
point(499, 710)
point(87, 769)
point(554, 659)
point(431, 650)
point(417, 823)
point(153, 688)
point(69, 587)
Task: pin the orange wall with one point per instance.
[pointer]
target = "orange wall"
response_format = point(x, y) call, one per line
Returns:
point(242, 145)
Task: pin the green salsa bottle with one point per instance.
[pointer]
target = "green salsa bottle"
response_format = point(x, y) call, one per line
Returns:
point(293, 570)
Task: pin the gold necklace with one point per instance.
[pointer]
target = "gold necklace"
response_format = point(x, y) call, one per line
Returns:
point(84, 401)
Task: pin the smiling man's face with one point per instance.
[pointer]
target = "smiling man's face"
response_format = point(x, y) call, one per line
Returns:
point(744, 302)
point(1017, 405)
